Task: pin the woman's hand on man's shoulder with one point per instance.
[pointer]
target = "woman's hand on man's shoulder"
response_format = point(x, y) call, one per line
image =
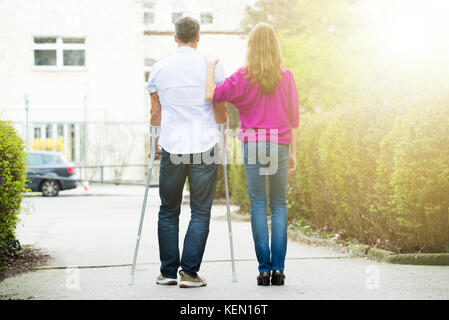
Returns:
point(211, 60)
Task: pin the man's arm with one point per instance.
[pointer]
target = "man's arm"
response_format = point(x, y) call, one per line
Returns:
point(156, 110)
point(155, 119)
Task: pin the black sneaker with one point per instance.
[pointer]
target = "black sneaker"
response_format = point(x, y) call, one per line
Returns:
point(263, 279)
point(278, 278)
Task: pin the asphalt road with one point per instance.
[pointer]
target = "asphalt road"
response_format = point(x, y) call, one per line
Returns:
point(91, 237)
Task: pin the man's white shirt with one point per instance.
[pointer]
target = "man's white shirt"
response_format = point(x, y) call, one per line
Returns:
point(187, 124)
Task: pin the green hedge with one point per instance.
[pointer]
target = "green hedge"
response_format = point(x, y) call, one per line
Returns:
point(413, 180)
point(376, 175)
point(12, 184)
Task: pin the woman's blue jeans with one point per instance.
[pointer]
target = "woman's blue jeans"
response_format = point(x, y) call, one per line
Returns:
point(258, 156)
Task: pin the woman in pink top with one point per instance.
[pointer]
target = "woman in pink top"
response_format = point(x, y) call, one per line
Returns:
point(264, 92)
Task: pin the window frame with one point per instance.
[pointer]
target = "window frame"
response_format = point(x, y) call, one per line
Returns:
point(59, 47)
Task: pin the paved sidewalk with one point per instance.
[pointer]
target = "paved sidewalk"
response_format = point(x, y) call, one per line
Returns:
point(91, 237)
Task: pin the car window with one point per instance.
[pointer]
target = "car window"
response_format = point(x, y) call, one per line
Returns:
point(46, 159)
point(34, 159)
point(61, 159)
point(37, 159)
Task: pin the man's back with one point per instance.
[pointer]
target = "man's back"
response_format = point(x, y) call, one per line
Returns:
point(188, 124)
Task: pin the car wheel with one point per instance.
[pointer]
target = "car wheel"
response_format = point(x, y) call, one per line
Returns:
point(50, 188)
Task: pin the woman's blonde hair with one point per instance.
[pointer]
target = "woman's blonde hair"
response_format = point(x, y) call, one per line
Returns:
point(264, 60)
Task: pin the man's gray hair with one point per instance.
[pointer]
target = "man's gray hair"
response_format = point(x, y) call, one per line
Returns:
point(187, 29)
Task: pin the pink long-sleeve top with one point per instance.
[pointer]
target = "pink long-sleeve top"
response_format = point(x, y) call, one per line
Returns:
point(263, 117)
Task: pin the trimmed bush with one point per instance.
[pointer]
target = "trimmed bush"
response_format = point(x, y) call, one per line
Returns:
point(307, 194)
point(12, 184)
point(376, 175)
point(349, 150)
point(238, 187)
point(337, 160)
point(413, 180)
point(379, 176)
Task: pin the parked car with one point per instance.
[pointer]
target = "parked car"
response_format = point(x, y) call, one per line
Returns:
point(49, 173)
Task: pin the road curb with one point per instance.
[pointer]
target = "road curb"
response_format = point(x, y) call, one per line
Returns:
point(380, 255)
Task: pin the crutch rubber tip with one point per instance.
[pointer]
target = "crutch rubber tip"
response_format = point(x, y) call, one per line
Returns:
point(234, 277)
point(131, 281)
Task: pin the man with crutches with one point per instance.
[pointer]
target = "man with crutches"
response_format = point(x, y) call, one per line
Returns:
point(189, 151)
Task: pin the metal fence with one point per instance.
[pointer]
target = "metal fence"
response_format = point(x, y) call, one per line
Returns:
point(101, 152)
point(96, 174)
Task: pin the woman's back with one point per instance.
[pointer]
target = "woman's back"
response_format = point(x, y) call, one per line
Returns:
point(258, 110)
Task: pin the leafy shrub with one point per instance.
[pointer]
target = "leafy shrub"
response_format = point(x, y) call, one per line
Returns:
point(12, 183)
point(238, 187)
point(349, 150)
point(380, 176)
point(413, 179)
point(220, 191)
point(307, 193)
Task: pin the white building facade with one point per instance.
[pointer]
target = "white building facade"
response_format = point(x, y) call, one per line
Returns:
point(83, 65)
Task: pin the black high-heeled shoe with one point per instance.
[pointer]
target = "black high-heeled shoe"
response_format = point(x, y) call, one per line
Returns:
point(263, 279)
point(278, 278)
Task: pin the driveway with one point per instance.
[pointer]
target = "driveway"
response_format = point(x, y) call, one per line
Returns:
point(91, 237)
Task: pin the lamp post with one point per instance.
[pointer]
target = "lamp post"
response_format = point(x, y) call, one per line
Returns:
point(26, 98)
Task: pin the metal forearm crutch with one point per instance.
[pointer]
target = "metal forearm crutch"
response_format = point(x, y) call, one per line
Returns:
point(154, 133)
point(222, 127)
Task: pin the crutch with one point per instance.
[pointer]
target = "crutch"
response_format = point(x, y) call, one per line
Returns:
point(222, 127)
point(154, 133)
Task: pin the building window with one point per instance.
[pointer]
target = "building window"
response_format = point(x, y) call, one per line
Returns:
point(58, 52)
point(37, 133)
point(49, 131)
point(148, 14)
point(175, 16)
point(207, 18)
point(60, 130)
point(148, 17)
point(45, 57)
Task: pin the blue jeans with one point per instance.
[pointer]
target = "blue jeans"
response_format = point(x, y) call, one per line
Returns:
point(273, 259)
point(202, 182)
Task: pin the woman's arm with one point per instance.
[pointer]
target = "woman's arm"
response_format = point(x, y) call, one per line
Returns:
point(293, 151)
point(210, 78)
point(219, 108)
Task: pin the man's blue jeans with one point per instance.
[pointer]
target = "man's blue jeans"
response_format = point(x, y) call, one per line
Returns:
point(277, 188)
point(202, 182)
